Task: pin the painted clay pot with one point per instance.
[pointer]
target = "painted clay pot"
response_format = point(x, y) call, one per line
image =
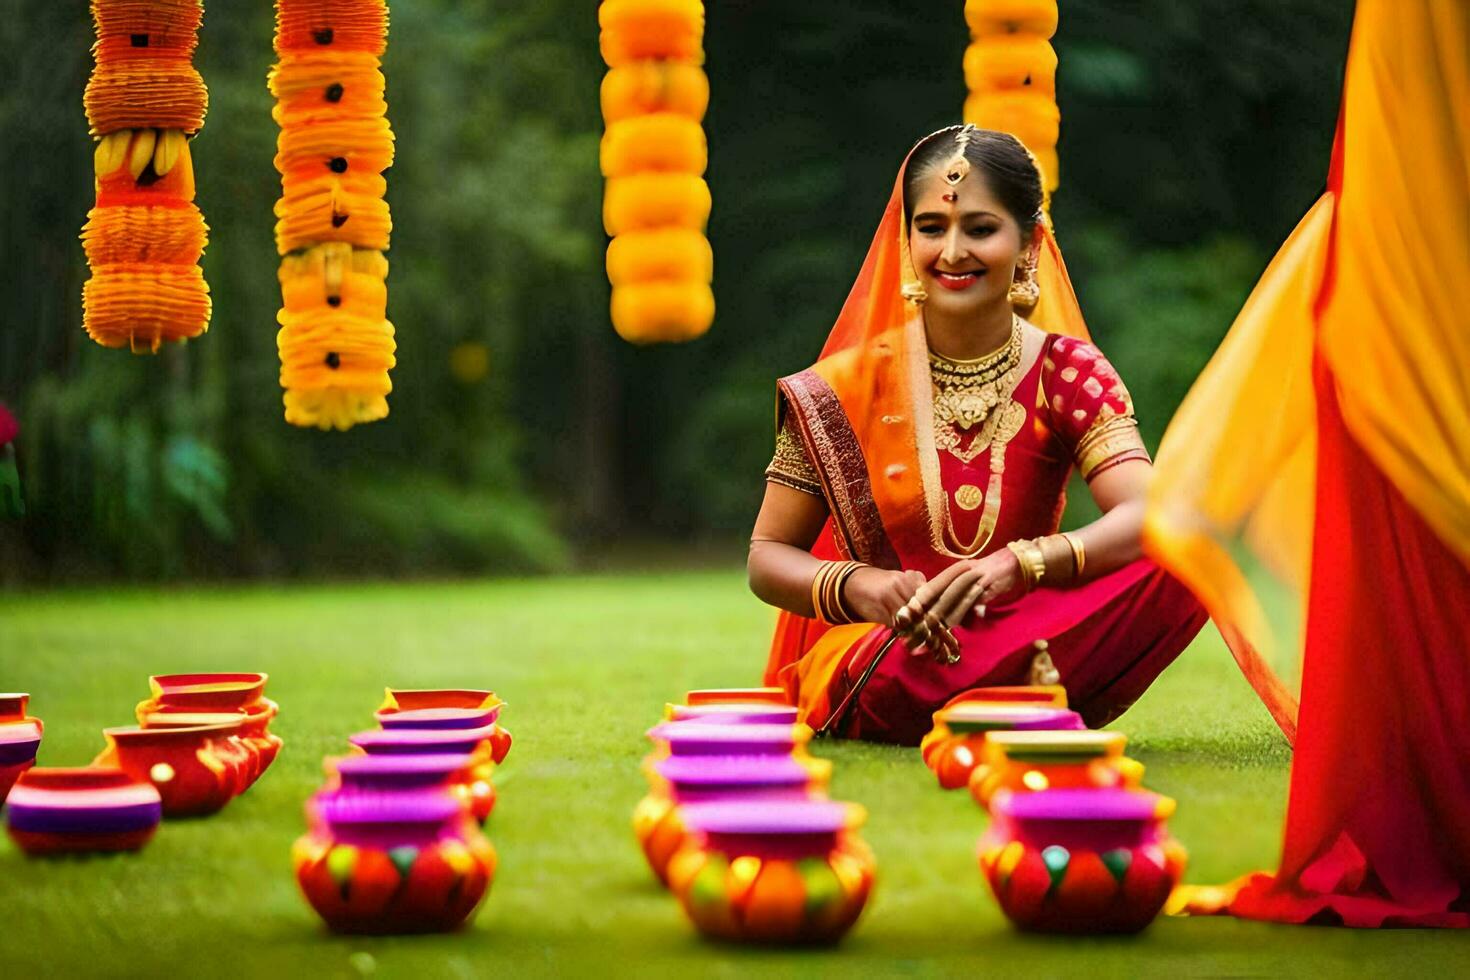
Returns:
point(476, 782)
point(19, 741)
point(13, 710)
point(255, 719)
point(952, 749)
point(243, 751)
point(1054, 695)
point(412, 699)
point(395, 862)
point(738, 695)
point(204, 692)
point(369, 774)
point(428, 719)
point(1081, 860)
point(196, 770)
point(1031, 761)
point(701, 738)
point(773, 871)
point(681, 780)
point(81, 810)
point(732, 714)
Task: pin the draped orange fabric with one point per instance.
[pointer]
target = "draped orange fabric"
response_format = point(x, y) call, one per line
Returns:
point(1376, 279)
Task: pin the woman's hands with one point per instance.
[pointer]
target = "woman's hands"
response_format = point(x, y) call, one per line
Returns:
point(875, 595)
point(936, 606)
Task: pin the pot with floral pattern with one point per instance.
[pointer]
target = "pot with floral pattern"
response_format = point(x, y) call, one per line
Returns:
point(1081, 860)
point(773, 871)
point(394, 862)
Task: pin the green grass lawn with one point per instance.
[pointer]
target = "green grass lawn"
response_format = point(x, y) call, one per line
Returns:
point(586, 665)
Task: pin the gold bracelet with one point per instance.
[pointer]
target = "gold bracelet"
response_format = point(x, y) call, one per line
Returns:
point(1061, 560)
point(827, 585)
point(1079, 551)
point(1033, 563)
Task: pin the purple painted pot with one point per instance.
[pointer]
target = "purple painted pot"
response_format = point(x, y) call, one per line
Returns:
point(790, 829)
point(73, 810)
point(414, 741)
point(700, 779)
point(735, 714)
point(439, 718)
point(702, 738)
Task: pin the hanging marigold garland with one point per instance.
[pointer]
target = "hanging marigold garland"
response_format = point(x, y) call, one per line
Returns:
point(1011, 72)
point(144, 237)
point(336, 344)
point(654, 155)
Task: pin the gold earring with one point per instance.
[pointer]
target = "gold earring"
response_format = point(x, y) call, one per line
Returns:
point(1025, 292)
point(913, 292)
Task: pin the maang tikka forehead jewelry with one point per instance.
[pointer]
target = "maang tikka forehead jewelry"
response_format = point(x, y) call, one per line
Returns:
point(958, 166)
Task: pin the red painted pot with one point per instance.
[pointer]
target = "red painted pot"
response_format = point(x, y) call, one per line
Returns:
point(953, 747)
point(196, 770)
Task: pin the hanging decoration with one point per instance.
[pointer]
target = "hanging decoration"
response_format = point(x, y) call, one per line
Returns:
point(144, 237)
point(336, 344)
point(1011, 72)
point(654, 155)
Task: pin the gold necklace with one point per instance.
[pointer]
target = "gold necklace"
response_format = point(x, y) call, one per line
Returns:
point(966, 394)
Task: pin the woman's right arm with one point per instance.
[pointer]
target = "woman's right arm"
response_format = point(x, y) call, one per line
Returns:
point(781, 567)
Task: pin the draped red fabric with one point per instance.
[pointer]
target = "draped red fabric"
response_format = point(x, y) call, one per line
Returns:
point(1376, 827)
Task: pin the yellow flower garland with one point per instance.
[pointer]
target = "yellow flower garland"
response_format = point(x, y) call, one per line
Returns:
point(1010, 70)
point(654, 155)
point(336, 344)
point(145, 236)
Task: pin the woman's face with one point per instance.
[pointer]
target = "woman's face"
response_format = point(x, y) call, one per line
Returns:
point(964, 243)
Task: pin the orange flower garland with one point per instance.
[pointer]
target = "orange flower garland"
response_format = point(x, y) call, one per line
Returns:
point(1011, 71)
point(144, 237)
point(654, 155)
point(336, 344)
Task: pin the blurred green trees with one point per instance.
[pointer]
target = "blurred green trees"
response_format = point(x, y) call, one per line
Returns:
point(1194, 135)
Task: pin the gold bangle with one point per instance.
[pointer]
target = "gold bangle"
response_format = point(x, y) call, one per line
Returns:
point(1033, 563)
point(1061, 560)
point(827, 584)
point(1079, 551)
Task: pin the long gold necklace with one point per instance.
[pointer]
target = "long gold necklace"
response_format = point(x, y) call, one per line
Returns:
point(969, 394)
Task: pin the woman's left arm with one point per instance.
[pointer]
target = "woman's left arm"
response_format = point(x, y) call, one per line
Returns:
point(1115, 538)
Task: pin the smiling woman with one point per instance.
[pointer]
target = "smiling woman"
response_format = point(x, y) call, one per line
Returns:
point(930, 449)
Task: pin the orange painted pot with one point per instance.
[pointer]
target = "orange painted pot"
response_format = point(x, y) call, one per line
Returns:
point(952, 748)
point(782, 872)
point(1032, 761)
point(243, 750)
point(205, 692)
point(398, 862)
point(1081, 860)
point(196, 770)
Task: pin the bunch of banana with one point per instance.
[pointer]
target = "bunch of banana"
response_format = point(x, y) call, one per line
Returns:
point(1011, 72)
point(144, 237)
point(336, 344)
point(654, 156)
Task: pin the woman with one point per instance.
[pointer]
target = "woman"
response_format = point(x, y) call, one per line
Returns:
point(933, 441)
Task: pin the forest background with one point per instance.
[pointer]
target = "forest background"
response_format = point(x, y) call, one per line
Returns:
point(523, 434)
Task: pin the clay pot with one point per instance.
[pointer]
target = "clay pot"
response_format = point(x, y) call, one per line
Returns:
point(412, 699)
point(1030, 761)
point(429, 719)
point(773, 871)
point(737, 695)
point(733, 714)
point(19, 741)
point(680, 780)
point(952, 749)
point(395, 862)
point(368, 774)
point(475, 785)
point(81, 810)
point(702, 738)
point(205, 692)
point(1081, 860)
point(196, 769)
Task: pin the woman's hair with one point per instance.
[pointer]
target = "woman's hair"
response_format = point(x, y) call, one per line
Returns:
point(1007, 168)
